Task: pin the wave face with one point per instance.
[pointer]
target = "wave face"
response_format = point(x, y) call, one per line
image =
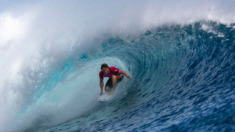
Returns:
point(182, 80)
point(181, 65)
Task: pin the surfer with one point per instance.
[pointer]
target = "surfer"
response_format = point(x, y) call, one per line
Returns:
point(115, 76)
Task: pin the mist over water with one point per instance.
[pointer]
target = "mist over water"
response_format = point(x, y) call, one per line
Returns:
point(51, 54)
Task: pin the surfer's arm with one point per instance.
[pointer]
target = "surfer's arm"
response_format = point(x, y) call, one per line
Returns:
point(101, 87)
point(124, 73)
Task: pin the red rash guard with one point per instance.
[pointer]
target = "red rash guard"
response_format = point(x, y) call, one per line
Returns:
point(112, 71)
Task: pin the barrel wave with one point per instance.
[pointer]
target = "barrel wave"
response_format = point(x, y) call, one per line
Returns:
point(182, 67)
point(182, 80)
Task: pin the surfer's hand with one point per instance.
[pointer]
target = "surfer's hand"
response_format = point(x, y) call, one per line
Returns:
point(101, 93)
point(129, 77)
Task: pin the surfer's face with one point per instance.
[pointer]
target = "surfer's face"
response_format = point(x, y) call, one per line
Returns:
point(105, 70)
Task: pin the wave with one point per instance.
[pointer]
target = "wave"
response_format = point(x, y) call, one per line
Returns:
point(176, 71)
point(181, 64)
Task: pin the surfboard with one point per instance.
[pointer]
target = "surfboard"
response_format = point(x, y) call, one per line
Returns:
point(105, 97)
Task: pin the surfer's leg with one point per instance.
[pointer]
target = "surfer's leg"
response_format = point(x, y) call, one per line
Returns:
point(108, 85)
point(107, 89)
point(114, 82)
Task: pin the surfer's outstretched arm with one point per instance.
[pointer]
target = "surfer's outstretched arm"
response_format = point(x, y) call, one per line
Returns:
point(101, 87)
point(124, 73)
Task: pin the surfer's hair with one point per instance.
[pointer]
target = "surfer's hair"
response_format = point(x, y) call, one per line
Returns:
point(104, 65)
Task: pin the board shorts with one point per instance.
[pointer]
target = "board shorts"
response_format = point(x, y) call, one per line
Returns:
point(109, 83)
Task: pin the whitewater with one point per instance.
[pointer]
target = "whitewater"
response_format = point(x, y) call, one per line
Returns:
point(179, 54)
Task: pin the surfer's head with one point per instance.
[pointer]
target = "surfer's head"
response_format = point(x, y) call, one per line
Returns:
point(105, 68)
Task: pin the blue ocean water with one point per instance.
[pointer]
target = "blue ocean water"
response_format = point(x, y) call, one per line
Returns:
point(182, 80)
point(182, 71)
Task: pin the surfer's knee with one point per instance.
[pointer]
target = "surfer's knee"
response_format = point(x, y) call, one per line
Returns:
point(107, 89)
point(113, 77)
